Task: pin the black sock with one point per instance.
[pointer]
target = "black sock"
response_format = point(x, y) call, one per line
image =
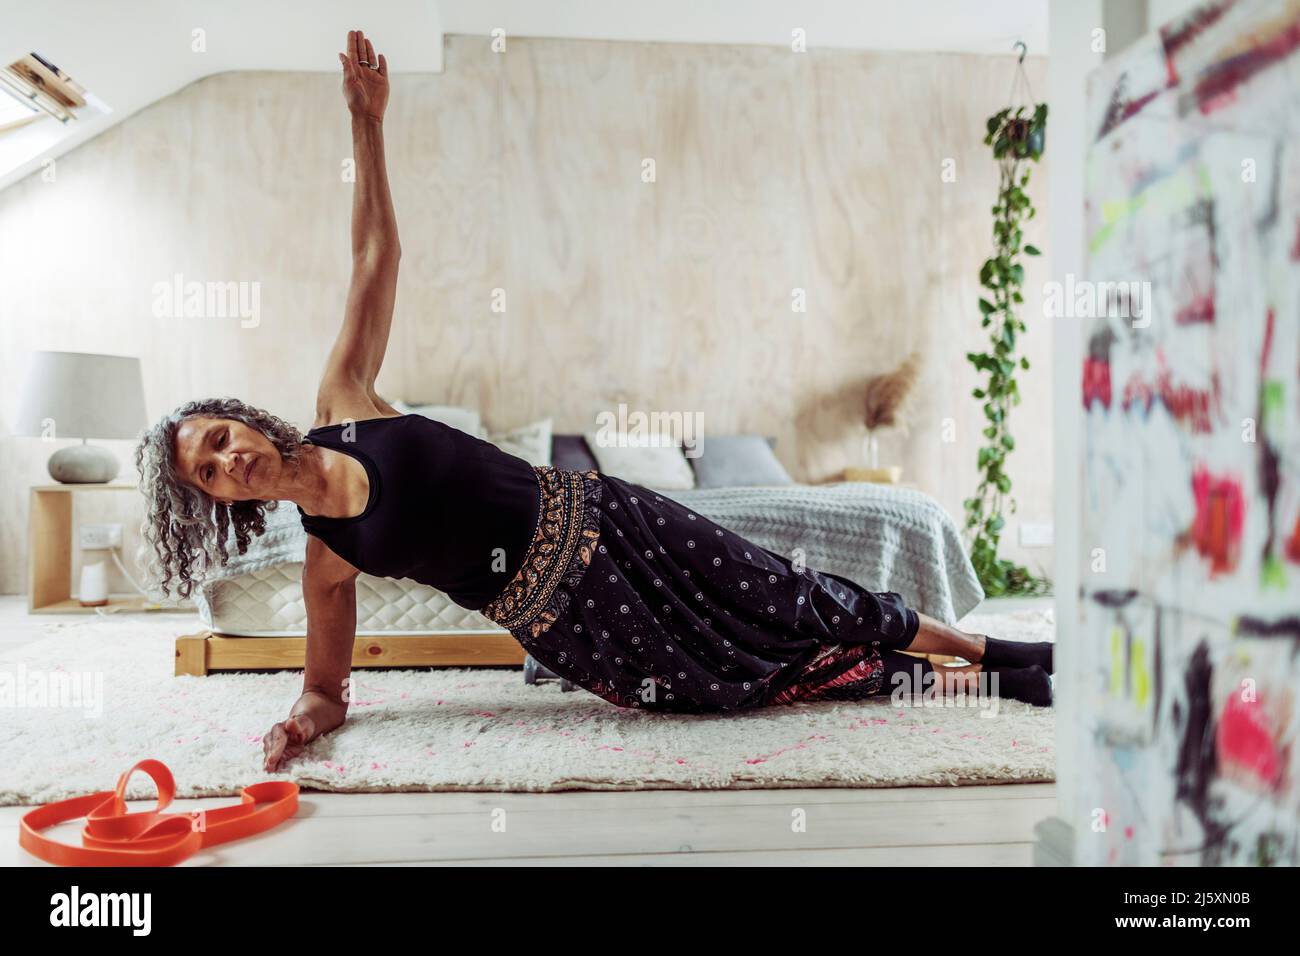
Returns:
point(998, 653)
point(1029, 684)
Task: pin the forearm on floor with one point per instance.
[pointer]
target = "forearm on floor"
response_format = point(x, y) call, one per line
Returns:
point(331, 634)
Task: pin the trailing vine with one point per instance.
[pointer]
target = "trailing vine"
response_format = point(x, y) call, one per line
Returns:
point(1017, 140)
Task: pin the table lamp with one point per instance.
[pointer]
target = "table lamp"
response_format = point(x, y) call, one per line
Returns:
point(81, 395)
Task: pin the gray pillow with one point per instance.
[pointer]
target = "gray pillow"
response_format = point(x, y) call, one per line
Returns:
point(731, 461)
point(570, 453)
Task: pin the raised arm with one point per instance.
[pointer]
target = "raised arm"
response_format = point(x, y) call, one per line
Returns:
point(347, 388)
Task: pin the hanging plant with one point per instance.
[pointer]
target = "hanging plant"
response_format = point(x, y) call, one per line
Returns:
point(1017, 136)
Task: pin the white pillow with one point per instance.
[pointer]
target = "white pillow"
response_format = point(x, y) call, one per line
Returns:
point(466, 419)
point(530, 442)
point(641, 462)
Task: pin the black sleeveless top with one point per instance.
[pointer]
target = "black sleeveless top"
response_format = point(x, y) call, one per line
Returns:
point(446, 509)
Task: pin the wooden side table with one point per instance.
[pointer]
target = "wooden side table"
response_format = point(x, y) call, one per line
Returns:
point(49, 553)
point(854, 476)
point(877, 476)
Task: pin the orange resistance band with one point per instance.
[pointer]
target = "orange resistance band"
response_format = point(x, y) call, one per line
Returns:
point(113, 837)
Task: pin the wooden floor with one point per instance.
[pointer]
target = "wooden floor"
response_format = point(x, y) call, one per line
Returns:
point(976, 826)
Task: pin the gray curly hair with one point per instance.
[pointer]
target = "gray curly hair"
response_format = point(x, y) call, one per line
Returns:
point(186, 530)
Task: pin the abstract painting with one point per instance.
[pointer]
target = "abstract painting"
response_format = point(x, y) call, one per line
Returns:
point(1190, 523)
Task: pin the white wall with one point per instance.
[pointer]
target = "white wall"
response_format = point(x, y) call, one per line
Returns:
point(1073, 23)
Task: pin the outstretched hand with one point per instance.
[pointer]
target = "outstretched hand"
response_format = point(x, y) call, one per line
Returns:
point(286, 740)
point(313, 715)
point(365, 77)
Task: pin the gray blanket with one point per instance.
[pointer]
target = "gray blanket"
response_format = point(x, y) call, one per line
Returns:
point(882, 537)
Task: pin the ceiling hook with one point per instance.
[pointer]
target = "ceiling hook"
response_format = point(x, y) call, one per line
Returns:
point(1020, 46)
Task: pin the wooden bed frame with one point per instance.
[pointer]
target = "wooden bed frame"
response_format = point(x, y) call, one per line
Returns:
point(206, 652)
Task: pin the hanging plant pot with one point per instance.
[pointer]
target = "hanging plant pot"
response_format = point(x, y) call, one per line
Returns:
point(1027, 138)
point(1016, 136)
point(1037, 139)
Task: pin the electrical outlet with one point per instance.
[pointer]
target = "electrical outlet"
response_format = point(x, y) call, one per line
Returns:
point(1036, 535)
point(99, 537)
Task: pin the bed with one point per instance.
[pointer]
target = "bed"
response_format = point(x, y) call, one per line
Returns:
point(884, 537)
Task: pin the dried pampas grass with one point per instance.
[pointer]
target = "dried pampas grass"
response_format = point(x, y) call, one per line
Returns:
point(886, 393)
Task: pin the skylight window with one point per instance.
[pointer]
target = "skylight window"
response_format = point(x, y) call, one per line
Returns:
point(41, 107)
point(38, 87)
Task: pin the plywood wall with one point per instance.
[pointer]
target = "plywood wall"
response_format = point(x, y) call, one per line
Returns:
point(523, 172)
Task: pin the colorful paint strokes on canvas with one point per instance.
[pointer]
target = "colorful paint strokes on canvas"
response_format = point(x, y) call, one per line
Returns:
point(1190, 525)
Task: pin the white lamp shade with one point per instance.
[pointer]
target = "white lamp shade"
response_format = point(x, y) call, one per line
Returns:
point(81, 395)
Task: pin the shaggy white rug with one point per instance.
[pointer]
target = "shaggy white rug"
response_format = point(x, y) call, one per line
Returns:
point(469, 729)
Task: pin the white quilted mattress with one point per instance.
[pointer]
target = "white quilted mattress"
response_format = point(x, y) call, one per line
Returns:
point(268, 603)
